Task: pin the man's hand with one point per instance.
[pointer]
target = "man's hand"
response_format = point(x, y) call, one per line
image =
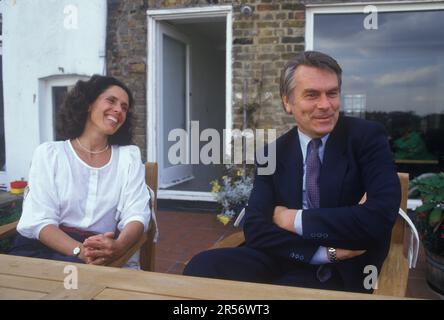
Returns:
point(101, 249)
point(284, 218)
point(344, 254)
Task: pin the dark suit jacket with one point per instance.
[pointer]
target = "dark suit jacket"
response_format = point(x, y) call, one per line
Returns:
point(357, 159)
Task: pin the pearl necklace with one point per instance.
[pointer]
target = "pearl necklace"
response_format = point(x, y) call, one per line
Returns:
point(92, 152)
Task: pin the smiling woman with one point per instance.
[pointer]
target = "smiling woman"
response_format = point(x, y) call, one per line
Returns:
point(87, 199)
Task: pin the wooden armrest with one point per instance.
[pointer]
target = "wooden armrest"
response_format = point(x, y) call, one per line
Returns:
point(233, 240)
point(394, 273)
point(124, 259)
point(8, 229)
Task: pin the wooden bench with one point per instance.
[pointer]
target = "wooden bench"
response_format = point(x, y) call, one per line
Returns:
point(393, 278)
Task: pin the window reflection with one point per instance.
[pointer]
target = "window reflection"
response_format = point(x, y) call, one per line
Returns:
point(2, 120)
point(394, 75)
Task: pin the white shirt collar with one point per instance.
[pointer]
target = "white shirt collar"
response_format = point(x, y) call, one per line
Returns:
point(304, 140)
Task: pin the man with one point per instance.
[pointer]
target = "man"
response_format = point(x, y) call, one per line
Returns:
point(304, 225)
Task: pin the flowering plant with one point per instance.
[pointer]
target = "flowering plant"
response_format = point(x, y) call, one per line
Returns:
point(429, 218)
point(232, 191)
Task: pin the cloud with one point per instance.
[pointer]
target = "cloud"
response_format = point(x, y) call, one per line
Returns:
point(408, 76)
point(418, 31)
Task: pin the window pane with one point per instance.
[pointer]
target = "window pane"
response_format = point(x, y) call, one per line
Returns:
point(2, 120)
point(58, 95)
point(394, 75)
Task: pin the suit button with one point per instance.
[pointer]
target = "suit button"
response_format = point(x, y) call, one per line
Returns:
point(302, 257)
point(312, 235)
point(292, 255)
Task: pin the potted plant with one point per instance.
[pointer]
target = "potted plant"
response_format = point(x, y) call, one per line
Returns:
point(232, 191)
point(429, 221)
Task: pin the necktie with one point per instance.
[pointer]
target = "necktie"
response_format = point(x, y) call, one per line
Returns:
point(313, 170)
point(323, 272)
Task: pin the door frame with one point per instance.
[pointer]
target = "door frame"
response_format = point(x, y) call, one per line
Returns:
point(153, 19)
point(176, 35)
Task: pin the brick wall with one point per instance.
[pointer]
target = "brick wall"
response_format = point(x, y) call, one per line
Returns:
point(127, 55)
point(262, 43)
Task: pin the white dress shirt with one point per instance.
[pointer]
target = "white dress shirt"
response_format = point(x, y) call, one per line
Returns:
point(320, 256)
point(63, 189)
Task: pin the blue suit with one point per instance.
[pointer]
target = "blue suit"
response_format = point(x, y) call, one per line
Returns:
point(357, 159)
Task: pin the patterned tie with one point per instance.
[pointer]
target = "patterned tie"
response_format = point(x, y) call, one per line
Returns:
point(323, 272)
point(312, 173)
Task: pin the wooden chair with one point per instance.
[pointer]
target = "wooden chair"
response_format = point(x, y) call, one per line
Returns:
point(393, 278)
point(146, 242)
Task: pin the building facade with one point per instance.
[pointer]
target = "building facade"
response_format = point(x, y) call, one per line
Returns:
point(194, 65)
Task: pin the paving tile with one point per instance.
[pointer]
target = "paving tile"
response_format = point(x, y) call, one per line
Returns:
point(163, 265)
point(418, 288)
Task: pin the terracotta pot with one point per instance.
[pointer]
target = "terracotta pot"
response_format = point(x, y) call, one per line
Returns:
point(435, 271)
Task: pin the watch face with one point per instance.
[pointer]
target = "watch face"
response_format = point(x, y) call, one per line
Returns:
point(76, 251)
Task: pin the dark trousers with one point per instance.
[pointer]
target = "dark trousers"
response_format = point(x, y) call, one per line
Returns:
point(247, 264)
point(26, 247)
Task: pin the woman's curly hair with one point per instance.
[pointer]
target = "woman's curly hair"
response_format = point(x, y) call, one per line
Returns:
point(74, 110)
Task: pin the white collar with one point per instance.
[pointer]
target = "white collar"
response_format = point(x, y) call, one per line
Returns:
point(304, 140)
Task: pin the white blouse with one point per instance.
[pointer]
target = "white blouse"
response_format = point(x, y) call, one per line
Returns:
point(63, 189)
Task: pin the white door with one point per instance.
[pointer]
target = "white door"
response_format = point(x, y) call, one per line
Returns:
point(174, 102)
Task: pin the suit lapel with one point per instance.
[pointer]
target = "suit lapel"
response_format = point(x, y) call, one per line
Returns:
point(290, 180)
point(334, 166)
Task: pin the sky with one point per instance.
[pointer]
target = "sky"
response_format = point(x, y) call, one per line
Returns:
point(399, 66)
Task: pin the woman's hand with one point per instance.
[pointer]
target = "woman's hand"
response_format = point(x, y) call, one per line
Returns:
point(101, 249)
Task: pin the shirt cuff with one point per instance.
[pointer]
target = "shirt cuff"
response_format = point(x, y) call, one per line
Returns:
point(298, 222)
point(320, 256)
point(140, 218)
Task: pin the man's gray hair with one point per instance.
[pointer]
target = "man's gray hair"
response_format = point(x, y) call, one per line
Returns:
point(307, 58)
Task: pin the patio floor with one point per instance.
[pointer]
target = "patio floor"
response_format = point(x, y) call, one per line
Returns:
point(184, 234)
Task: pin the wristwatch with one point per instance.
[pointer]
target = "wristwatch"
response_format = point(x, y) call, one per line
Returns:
point(332, 255)
point(76, 251)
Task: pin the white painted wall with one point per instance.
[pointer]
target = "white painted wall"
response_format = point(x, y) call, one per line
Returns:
point(39, 50)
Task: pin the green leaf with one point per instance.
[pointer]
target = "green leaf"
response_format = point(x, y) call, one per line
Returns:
point(425, 207)
point(435, 216)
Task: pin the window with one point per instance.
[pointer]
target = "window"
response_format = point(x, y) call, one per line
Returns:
point(2, 120)
point(53, 91)
point(393, 74)
point(58, 95)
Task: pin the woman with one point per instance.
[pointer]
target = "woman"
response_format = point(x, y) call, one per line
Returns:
point(84, 189)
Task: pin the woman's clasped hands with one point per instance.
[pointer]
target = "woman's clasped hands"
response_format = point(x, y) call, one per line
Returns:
point(101, 249)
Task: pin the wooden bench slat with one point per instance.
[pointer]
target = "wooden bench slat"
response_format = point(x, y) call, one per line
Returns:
point(30, 284)
point(17, 294)
point(116, 294)
point(85, 291)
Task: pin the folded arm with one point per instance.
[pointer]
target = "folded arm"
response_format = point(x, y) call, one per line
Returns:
point(361, 226)
point(262, 233)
